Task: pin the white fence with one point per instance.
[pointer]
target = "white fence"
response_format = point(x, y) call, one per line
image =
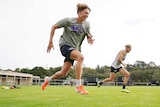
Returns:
point(71, 82)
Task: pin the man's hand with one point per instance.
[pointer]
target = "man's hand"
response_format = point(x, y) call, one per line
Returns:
point(50, 46)
point(90, 39)
point(124, 64)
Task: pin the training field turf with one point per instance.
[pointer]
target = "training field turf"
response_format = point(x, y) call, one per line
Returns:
point(65, 96)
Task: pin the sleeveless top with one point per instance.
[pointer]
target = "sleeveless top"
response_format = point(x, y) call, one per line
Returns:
point(116, 64)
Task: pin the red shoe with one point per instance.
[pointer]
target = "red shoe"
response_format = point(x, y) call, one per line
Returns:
point(45, 84)
point(80, 89)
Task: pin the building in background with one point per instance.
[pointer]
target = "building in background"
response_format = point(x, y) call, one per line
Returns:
point(16, 78)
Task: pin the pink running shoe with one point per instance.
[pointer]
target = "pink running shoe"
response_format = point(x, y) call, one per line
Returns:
point(45, 84)
point(80, 89)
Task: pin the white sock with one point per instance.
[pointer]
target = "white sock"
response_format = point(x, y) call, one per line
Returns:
point(50, 79)
point(78, 82)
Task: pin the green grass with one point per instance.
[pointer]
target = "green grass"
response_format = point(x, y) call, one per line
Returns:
point(65, 96)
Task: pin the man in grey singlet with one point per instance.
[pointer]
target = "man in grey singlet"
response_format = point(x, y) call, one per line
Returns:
point(119, 66)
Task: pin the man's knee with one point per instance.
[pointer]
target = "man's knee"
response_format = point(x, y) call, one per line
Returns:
point(127, 74)
point(80, 58)
point(111, 79)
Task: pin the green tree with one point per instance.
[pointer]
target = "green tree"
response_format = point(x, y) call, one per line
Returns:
point(17, 70)
point(39, 71)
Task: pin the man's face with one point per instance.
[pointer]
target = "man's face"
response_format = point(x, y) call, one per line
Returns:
point(128, 49)
point(84, 14)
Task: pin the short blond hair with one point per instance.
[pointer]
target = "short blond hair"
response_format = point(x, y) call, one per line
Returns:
point(128, 46)
point(82, 6)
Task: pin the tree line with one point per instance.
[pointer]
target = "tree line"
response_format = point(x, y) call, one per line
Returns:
point(139, 71)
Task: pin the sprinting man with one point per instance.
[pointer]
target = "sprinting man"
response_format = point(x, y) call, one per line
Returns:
point(75, 31)
point(119, 66)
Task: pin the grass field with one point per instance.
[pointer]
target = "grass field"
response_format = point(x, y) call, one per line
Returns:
point(65, 96)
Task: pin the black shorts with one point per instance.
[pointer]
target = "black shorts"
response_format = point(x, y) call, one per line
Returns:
point(66, 51)
point(115, 70)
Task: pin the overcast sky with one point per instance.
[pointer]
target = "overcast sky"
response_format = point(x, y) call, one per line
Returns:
point(25, 29)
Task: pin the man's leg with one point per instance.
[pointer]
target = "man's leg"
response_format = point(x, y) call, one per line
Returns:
point(111, 78)
point(76, 55)
point(63, 72)
point(126, 78)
